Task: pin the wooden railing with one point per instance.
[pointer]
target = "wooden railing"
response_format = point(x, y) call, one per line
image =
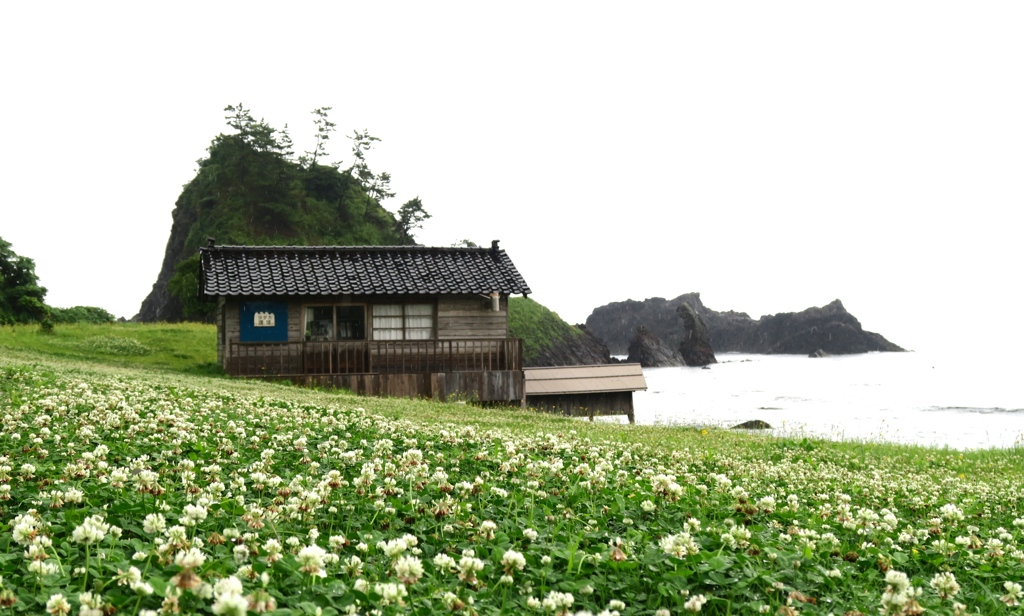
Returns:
point(373, 357)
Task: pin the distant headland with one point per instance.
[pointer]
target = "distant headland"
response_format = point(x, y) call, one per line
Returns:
point(828, 330)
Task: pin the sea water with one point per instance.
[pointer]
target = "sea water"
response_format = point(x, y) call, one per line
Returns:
point(921, 398)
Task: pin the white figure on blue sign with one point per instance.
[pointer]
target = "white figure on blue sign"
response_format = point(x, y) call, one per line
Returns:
point(263, 319)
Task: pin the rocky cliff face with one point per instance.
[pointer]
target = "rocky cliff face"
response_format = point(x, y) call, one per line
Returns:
point(580, 350)
point(695, 347)
point(160, 304)
point(830, 328)
point(649, 351)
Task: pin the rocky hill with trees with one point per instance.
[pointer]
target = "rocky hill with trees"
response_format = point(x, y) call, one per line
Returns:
point(252, 189)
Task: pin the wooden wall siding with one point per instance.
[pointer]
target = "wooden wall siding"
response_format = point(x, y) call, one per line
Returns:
point(470, 316)
point(219, 318)
point(485, 386)
point(373, 356)
point(585, 405)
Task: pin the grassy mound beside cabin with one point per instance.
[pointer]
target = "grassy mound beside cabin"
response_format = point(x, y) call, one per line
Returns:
point(130, 491)
point(540, 328)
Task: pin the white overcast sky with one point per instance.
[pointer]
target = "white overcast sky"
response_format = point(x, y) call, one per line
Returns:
point(770, 155)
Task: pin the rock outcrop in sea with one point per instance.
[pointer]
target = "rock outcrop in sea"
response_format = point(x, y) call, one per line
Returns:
point(829, 329)
point(695, 347)
point(649, 351)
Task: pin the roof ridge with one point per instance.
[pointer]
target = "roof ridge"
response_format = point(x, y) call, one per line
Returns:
point(328, 248)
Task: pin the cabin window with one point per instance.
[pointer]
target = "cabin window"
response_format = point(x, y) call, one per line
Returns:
point(351, 322)
point(341, 322)
point(403, 322)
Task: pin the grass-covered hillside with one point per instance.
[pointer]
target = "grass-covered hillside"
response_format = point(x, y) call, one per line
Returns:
point(142, 491)
point(540, 328)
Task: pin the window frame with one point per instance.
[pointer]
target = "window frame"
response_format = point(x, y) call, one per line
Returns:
point(306, 336)
point(404, 318)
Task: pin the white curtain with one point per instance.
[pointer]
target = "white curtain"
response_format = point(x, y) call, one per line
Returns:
point(387, 322)
point(419, 321)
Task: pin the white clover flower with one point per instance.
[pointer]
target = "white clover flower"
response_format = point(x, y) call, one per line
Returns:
point(227, 586)
point(1013, 594)
point(130, 576)
point(531, 534)
point(648, 506)
point(513, 560)
point(897, 579)
point(57, 605)
point(273, 549)
point(176, 534)
point(312, 559)
point(616, 604)
point(231, 605)
point(189, 559)
point(90, 604)
point(558, 601)
point(42, 568)
point(694, 603)
point(240, 553)
point(92, 530)
point(409, 569)
point(682, 544)
point(336, 542)
point(945, 585)
point(154, 523)
point(487, 528)
point(468, 567)
point(444, 562)
point(391, 593)
point(899, 597)
point(951, 512)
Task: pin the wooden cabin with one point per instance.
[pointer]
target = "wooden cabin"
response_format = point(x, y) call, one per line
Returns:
point(405, 321)
point(585, 391)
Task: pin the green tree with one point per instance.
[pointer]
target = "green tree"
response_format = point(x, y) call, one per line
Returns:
point(21, 297)
point(411, 216)
point(324, 128)
point(376, 185)
point(185, 286)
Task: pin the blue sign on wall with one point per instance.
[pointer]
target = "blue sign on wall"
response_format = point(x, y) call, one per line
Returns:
point(263, 321)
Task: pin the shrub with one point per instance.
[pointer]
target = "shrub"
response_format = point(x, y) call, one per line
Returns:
point(81, 314)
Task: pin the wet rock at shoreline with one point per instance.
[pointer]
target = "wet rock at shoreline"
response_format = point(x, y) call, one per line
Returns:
point(753, 424)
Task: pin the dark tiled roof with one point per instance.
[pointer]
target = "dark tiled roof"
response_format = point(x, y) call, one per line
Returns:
point(357, 270)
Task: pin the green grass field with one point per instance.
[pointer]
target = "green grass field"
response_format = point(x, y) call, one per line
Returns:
point(179, 347)
point(129, 484)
